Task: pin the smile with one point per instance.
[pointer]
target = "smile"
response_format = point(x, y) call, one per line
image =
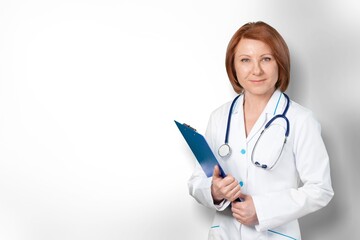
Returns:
point(256, 81)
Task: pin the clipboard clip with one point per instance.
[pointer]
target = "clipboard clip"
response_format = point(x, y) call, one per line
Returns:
point(187, 125)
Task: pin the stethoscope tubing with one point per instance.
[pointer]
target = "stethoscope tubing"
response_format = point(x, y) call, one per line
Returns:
point(283, 115)
point(229, 119)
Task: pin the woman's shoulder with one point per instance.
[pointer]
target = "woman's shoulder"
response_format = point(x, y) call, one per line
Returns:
point(301, 115)
point(299, 109)
point(222, 110)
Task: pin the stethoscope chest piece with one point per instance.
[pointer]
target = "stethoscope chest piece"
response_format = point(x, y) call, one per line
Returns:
point(224, 150)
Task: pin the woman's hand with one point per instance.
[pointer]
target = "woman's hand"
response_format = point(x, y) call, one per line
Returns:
point(245, 211)
point(224, 188)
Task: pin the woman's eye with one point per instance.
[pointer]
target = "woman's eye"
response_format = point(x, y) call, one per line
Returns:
point(244, 60)
point(266, 59)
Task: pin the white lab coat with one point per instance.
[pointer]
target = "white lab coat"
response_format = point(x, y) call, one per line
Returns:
point(297, 185)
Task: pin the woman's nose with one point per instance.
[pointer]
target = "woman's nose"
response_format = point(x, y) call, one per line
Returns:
point(257, 70)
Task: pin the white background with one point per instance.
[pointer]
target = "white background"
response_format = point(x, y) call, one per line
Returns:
point(89, 91)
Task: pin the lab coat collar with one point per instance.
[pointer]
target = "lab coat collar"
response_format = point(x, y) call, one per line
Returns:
point(274, 105)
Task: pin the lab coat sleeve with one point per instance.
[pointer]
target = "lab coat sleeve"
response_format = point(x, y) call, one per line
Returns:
point(312, 162)
point(200, 188)
point(199, 184)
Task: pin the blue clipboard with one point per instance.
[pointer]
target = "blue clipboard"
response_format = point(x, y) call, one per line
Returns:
point(200, 149)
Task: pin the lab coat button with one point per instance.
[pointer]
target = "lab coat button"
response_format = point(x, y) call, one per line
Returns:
point(243, 151)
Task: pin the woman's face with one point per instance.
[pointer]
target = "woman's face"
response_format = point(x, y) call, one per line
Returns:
point(256, 67)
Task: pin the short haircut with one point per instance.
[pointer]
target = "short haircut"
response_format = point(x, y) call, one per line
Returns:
point(265, 33)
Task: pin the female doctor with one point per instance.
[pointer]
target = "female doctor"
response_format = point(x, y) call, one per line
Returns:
point(269, 146)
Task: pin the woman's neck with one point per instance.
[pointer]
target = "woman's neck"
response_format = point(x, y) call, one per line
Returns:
point(253, 107)
point(255, 103)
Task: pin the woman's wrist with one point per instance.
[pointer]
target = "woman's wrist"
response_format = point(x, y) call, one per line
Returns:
point(216, 200)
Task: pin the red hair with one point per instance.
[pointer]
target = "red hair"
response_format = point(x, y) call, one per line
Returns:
point(267, 34)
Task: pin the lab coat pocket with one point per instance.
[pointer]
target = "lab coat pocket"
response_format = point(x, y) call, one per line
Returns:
point(217, 233)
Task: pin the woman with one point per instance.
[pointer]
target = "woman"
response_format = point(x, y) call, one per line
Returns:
point(277, 182)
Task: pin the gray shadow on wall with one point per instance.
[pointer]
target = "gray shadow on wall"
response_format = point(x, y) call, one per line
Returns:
point(351, 144)
point(298, 80)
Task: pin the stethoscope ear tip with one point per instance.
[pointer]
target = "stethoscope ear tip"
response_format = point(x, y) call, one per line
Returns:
point(264, 166)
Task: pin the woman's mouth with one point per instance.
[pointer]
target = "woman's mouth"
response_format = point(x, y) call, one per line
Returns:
point(257, 80)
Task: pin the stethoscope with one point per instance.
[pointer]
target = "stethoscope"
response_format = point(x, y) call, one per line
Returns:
point(225, 151)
